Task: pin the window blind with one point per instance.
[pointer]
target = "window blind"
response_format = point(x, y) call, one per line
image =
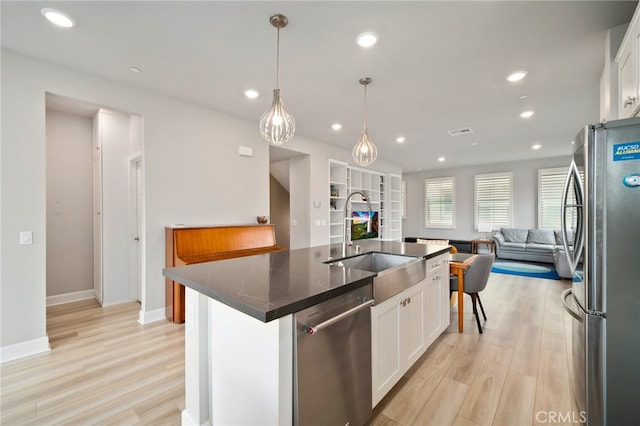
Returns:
point(550, 186)
point(439, 202)
point(493, 199)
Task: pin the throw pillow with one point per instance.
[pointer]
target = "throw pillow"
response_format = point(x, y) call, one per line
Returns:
point(541, 236)
point(514, 235)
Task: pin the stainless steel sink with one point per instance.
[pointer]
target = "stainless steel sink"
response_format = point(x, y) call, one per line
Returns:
point(395, 272)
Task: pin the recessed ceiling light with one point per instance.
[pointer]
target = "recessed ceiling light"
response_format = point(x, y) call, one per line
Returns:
point(523, 96)
point(536, 146)
point(441, 159)
point(58, 18)
point(474, 143)
point(573, 142)
point(251, 94)
point(135, 69)
point(336, 126)
point(367, 39)
point(400, 139)
point(527, 114)
point(516, 76)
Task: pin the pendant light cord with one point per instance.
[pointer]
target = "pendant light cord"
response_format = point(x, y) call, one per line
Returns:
point(365, 107)
point(278, 60)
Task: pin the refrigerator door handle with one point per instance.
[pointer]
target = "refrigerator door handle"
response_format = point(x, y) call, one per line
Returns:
point(578, 239)
point(565, 294)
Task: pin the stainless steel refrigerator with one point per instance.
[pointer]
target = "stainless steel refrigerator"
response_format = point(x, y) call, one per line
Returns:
point(601, 205)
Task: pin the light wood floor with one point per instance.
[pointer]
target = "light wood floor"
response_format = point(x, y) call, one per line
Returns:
point(105, 368)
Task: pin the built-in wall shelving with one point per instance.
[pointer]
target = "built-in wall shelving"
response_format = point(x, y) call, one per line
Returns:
point(395, 222)
point(337, 195)
point(383, 190)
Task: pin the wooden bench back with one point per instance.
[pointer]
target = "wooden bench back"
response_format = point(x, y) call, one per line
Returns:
point(194, 245)
point(185, 246)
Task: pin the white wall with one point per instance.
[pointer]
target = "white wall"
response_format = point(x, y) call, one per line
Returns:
point(69, 189)
point(525, 196)
point(192, 174)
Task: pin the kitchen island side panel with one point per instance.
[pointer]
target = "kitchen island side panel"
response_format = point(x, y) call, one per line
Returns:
point(251, 374)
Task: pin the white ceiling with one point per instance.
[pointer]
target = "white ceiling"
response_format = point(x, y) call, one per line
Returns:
point(438, 66)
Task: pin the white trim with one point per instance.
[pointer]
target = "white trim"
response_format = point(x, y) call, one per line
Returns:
point(76, 296)
point(24, 349)
point(146, 317)
point(187, 420)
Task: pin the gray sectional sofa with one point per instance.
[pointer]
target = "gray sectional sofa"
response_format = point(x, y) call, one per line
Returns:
point(535, 245)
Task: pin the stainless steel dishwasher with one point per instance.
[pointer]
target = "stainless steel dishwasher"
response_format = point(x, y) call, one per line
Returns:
point(332, 375)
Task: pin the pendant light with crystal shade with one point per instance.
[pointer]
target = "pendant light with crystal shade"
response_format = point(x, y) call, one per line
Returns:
point(277, 126)
point(365, 151)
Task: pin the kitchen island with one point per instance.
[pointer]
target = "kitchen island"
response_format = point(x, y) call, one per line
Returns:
point(239, 328)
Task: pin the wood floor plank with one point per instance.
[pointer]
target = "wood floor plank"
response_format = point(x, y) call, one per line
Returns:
point(517, 400)
point(405, 405)
point(553, 396)
point(526, 353)
point(442, 407)
point(481, 401)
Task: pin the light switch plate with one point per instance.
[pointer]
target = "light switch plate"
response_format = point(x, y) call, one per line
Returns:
point(26, 237)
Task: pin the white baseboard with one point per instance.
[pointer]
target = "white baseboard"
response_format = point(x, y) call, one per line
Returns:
point(70, 297)
point(24, 349)
point(187, 420)
point(145, 317)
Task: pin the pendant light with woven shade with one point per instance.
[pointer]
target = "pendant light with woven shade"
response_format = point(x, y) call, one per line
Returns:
point(364, 152)
point(277, 126)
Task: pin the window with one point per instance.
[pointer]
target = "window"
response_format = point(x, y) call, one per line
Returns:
point(550, 186)
point(493, 199)
point(439, 202)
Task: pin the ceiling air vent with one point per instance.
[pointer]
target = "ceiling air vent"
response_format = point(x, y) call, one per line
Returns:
point(458, 132)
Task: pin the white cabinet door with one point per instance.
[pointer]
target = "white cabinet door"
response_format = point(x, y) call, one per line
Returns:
point(413, 322)
point(437, 297)
point(627, 80)
point(434, 307)
point(386, 361)
point(397, 338)
point(628, 61)
point(446, 293)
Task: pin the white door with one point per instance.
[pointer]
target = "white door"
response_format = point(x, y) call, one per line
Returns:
point(97, 210)
point(139, 222)
point(136, 216)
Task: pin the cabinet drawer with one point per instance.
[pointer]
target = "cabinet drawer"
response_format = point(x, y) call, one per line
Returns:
point(434, 264)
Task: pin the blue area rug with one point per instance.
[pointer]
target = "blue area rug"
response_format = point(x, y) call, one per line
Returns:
point(525, 269)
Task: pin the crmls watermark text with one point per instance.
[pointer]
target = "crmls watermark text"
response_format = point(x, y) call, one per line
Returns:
point(561, 417)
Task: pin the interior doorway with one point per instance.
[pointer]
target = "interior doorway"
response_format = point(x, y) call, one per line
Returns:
point(95, 202)
point(289, 197)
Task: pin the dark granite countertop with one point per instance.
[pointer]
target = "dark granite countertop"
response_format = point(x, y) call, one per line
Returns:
point(271, 286)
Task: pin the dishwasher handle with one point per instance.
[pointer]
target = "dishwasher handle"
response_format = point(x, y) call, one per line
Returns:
point(313, 330)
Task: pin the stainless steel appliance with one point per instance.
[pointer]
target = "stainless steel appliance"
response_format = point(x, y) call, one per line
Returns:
point(603, 210)
point(333, 361)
